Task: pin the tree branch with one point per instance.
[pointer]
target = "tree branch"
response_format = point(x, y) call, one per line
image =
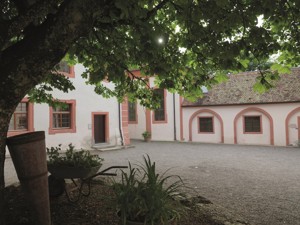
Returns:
point(156, 8)
point(16, 26)
point(44, 46)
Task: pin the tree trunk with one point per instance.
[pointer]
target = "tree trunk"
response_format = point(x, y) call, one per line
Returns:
point(4, 123)
point(24, 64)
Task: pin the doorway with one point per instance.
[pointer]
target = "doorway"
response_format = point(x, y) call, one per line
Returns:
point(100, 127)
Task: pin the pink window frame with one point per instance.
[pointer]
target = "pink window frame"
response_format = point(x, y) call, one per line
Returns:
point(165, 111)
point(244, 124)
point(71, 74)
point(72, 129)
point(30, 114)
point(136, 114)
point(213, 124)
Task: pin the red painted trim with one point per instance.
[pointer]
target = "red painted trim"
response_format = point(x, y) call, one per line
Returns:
point(71, 74)
point(72, 129)
point(298, 119)
point(206, 111)
point(125, 122)
point(30, 120)
point(181, 118)
point(165, 111)
point(240, 104)
point(136, 73)
point(287, 120)
point(148, 120)
point(106, 125)
point(258, 110)
point(136, 114)
point(244, 124)
point(213, 125)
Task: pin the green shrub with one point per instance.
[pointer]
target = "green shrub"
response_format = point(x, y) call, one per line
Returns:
point(145, 196)
point(146, 134)
point(72, 158)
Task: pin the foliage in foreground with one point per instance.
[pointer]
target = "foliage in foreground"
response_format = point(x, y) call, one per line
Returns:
point(200, 40)
point(144, 195)
point(72, 158)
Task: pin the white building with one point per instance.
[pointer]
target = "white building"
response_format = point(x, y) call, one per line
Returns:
point(235, 114)
point(229, 113)
point(89, 121)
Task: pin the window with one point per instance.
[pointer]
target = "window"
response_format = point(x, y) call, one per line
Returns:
point(62, 118)
point(66, 69)
point(252, 124)
point(206, 125)
point(132, 115)
point(19, 120)
point(22, 119)
point(160, 113)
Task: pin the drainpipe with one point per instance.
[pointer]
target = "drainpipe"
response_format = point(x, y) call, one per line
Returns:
point(120, 124)
point(174, 113)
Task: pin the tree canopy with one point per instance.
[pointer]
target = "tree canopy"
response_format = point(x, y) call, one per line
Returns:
point(187, 44)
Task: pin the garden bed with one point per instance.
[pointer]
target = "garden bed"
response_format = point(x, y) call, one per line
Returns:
point(93, 210)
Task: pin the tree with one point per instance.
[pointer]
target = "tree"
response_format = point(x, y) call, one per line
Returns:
point(187, 43)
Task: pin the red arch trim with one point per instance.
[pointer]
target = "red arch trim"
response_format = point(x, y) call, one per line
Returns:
point(206, 111)
point(288, 117)
point(258, 110)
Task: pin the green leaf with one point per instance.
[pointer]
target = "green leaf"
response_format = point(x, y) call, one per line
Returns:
point(259, 87)
point(244, 62)
point(221, 77)
point(281, 68)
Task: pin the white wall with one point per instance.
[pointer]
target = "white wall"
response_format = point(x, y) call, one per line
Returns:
point(277, 112)
point(165, 131)
point(160, 131)
point(214, 137)
point(136, 129)
point(262, 138)
point(86, 103)
point(293, 128)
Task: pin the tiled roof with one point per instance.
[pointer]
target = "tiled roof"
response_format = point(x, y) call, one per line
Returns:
point(238, 89)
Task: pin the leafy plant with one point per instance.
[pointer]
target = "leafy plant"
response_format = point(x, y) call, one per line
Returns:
point(72, 158)
point(145, 196)
point(146, 134)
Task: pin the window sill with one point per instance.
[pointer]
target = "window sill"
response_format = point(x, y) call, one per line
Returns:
point(62, 131)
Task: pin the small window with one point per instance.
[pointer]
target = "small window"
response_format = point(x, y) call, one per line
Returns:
point(19, 120)
point(62, 118)
point(65, 69)
point(206, 125)
point(160, 113)
point(132, 117)
point(22, 119)
point(252, 124)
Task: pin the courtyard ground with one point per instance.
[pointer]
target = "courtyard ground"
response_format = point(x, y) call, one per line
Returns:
point(259, 183)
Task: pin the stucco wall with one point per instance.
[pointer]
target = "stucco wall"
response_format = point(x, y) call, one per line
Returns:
point(160, 131)
point(195, 135)
point(136, 129)
point(274, 117)
point(262, 138)
point(86, 103)
point(164, 131)
point(293, 127)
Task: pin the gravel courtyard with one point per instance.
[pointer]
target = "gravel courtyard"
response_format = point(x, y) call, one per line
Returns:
point(261, 184)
